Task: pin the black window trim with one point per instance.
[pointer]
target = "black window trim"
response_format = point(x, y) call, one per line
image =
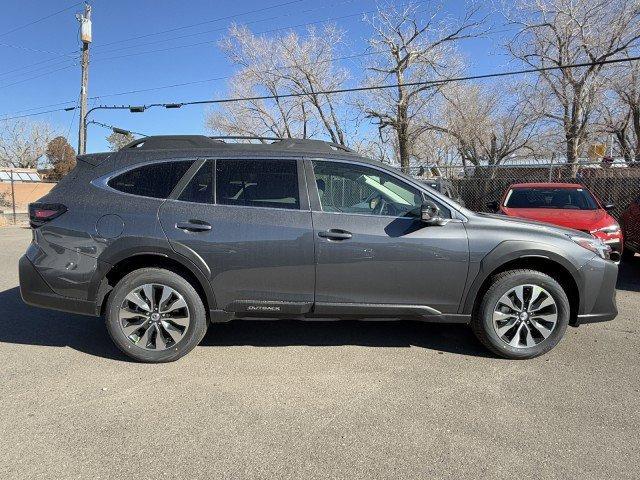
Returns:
point(186, 178)
point(103, 181)
point(315, 197)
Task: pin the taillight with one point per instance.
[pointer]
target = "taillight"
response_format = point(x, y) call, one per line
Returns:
point(40, 213)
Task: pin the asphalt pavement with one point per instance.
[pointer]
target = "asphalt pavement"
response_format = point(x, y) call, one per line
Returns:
point(314, 400)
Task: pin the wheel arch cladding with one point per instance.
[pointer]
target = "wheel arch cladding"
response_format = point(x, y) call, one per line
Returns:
point(146, 259)
point(509, 256)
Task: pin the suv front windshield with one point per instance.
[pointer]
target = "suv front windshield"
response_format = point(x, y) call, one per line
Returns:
point(559, 198)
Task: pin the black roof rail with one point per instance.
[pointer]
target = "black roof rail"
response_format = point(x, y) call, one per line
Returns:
point(308, 142)
point(178, 142)
point(171, 142)
point(245, 137)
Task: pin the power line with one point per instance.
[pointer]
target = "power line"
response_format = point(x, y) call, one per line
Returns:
point(385, 87)
point(221, 29)
point(37, 113)
point(184, 27)
point(27, 75)
point(37, 76)
point(36, 50)
point(194, 82)
point(60, 54)
point(206, 80)
point(209, 42)
point(114, 128)
point(24, 67)
point(40, 19)
point(346, 90)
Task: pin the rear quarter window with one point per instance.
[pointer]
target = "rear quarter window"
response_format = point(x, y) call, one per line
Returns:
point(156, 180)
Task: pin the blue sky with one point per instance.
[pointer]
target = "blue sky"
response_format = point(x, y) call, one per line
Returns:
point(47, 49)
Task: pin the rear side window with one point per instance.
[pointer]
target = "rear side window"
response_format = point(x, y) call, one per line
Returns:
point(155, 180)
point(200, 187)
point(257, 183)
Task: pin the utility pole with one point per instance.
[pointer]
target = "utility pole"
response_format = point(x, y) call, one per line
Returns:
point(85, 37)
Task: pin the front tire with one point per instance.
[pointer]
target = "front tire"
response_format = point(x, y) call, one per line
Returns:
point(523, 314)
point(155, 315)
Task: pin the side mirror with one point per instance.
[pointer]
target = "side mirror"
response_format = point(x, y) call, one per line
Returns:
point(493, 206)
point(430, 214)
point(609, 206)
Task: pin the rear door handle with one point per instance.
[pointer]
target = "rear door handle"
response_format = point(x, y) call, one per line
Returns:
point(194, 226)
point(335, 234)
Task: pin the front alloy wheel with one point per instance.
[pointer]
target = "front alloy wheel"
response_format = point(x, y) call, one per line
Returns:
point(525, 316)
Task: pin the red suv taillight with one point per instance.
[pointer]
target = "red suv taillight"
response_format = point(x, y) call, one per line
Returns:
point(40, 213)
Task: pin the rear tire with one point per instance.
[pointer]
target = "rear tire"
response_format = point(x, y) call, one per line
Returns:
point(155, 315)
point(520, 329)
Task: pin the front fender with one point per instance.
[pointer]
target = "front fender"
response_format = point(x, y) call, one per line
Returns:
point(511, 250)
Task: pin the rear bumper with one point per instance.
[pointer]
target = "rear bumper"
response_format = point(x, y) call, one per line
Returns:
point(35, 291)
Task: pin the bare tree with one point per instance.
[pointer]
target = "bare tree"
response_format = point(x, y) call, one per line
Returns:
point(22, 143)
point(119, 140)
point(413, 46)
point(620, 113)
point(553, 33)
point(283, 65)
point(488, 123)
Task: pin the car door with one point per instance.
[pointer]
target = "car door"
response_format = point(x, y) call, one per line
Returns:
point(374, 256)
point(248, 221)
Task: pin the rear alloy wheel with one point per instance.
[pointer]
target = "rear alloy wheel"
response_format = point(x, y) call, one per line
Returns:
point(523, 314)
point(155, 315)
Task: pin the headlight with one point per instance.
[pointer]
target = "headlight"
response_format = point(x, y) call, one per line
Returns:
point(615, 228)
point(593, 244)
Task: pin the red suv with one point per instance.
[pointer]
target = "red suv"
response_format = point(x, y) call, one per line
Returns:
point(631, 226)
point(568, 205)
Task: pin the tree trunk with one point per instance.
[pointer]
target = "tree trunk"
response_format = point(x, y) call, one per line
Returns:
point(403, 149)
point(636, 130)
point(403, 137)
point(572, 148)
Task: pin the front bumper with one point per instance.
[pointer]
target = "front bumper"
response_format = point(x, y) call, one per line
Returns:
point(598, 292)
point(35, 291)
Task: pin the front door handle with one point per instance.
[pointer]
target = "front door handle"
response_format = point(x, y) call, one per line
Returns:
point(335, 234)
point(194, 226)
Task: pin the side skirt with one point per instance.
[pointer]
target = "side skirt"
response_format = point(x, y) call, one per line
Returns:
point(274, 310)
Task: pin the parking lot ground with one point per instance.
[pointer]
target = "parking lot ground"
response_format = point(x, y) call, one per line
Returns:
point(314, 400)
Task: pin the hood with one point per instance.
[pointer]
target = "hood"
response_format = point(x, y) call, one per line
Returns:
point(585, 220)
point(538, 225)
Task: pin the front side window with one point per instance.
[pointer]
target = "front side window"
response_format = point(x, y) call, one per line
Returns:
point(557, 198)
point(355, 189)
point(258, 183)
point(155, 180)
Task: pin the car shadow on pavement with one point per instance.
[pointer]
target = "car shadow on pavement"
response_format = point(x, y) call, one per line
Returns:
point(629, 275)
point(26, 325)
point(281, 333)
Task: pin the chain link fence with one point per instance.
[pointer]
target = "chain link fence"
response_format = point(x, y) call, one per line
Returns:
point(477, 186)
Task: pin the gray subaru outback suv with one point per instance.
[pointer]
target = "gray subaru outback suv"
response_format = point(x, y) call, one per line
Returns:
point(171, 233)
